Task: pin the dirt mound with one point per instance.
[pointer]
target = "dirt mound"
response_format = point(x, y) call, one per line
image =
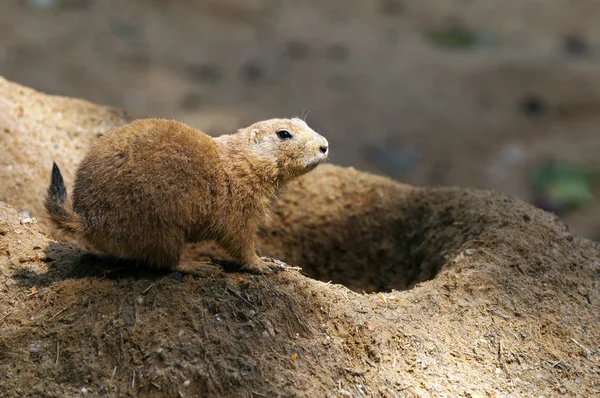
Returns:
point(511, 305)
point(473, 293)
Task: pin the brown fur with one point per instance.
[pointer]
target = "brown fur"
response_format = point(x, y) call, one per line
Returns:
point(145, 189)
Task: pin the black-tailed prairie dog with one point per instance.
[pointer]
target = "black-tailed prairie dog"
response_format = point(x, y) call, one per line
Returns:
point(146, 188)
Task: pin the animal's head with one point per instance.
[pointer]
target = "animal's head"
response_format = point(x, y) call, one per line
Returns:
point(289, 147)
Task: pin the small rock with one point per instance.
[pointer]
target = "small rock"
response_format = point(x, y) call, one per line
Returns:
point(570, 238)
point(269, 327)
point(26, 218)
point(186, 383)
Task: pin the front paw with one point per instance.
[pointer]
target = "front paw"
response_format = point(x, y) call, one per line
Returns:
point(265, 265)
point(274, 264)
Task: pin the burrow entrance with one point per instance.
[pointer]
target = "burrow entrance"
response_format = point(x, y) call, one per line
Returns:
point(373, 235)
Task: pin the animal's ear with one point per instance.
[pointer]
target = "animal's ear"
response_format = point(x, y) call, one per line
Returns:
point(254, 135)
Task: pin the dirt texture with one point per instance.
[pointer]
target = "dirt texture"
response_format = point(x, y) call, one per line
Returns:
point(512, 310)
point(37, 129)
point(381, 79)
point(467, 293)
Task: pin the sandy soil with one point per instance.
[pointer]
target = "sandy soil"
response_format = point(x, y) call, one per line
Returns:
point(524, 86)
point(512, 308)
point(466, 293)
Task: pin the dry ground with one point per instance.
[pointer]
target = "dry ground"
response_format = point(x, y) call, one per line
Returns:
point(467, 293)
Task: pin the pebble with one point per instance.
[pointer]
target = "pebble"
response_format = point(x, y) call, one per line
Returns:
point(26, 218)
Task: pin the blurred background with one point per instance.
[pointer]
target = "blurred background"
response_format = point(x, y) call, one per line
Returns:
point(501, 95)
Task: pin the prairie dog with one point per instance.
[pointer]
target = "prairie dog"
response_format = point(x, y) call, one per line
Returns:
point(146, 188)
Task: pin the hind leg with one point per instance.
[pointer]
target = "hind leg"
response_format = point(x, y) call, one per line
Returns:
point(168, 256)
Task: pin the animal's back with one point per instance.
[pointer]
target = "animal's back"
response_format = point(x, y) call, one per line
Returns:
point(145, 183)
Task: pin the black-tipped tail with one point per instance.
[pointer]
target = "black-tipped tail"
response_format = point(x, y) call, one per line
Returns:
point(57, 190)
point(56, 203)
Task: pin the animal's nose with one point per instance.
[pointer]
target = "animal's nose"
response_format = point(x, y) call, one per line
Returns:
point(323, 148)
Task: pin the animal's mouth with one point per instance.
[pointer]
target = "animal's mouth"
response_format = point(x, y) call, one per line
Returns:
point(312, 165)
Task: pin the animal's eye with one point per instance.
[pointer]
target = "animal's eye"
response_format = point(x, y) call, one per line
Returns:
point(284, 135)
